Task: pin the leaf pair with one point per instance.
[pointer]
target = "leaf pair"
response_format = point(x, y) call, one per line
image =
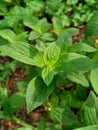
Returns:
point(51, 56)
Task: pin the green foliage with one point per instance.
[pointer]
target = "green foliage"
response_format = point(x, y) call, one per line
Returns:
point(61, 76)
point(63, 116)
point(93, 77)
point(93, 127)
point(91, 111)
point(42, 125)
point(47, 75)
point(91, 28)
point(81, 47)
point(51, 55)
point(18, 101)
point(78, 78)
point(23, 52)
point(35, 88)
point(12, 104)
point(57, 25)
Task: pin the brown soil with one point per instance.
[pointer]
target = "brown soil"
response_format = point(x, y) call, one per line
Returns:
point(80, 34)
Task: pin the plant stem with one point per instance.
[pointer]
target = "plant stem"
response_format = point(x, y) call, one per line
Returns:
point(18, 121)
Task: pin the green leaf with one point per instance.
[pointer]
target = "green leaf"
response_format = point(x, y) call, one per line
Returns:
point(23, 52)
point(47, 75)
point(95, 55)
point(41, 46)
point(65, 38)
point(33, 35)
point(37, 93)
point(54, 99)
point(42, 124)
point(21, 37)
point(39, 26)
point(8, 1)
point(15, 15)
point(21, 85)
point(91, 110)
point(78, 78)
point(1, 67)
point(54, 127)
point(51, 54)
point(4, 24)
point(35, 6)
point(7, 108)
point(54, 4)
point(42, 26)
point(63, 116)
point(92, 25)
point(74, 101)
point(72, 31)
point(74, 56)
point(12, 37)
point(72, 2)
point(17, 100)
point(28, 20)
point(79, 64)
point(57, 25)
point(65, 19)
point(7, 34)
point(3, 116)
point(81, 92)
point(93, 127)
point(3, 93)
point(75, 62)
point(13, 65)
point(94, 79)
point(47, 37)
point(3, 8)
point(65, 58)
point(79, 47)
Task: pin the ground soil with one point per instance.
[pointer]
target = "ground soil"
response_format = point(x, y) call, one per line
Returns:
point(33, 117)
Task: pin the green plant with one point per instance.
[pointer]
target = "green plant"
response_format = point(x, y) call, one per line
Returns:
point(61, 74)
